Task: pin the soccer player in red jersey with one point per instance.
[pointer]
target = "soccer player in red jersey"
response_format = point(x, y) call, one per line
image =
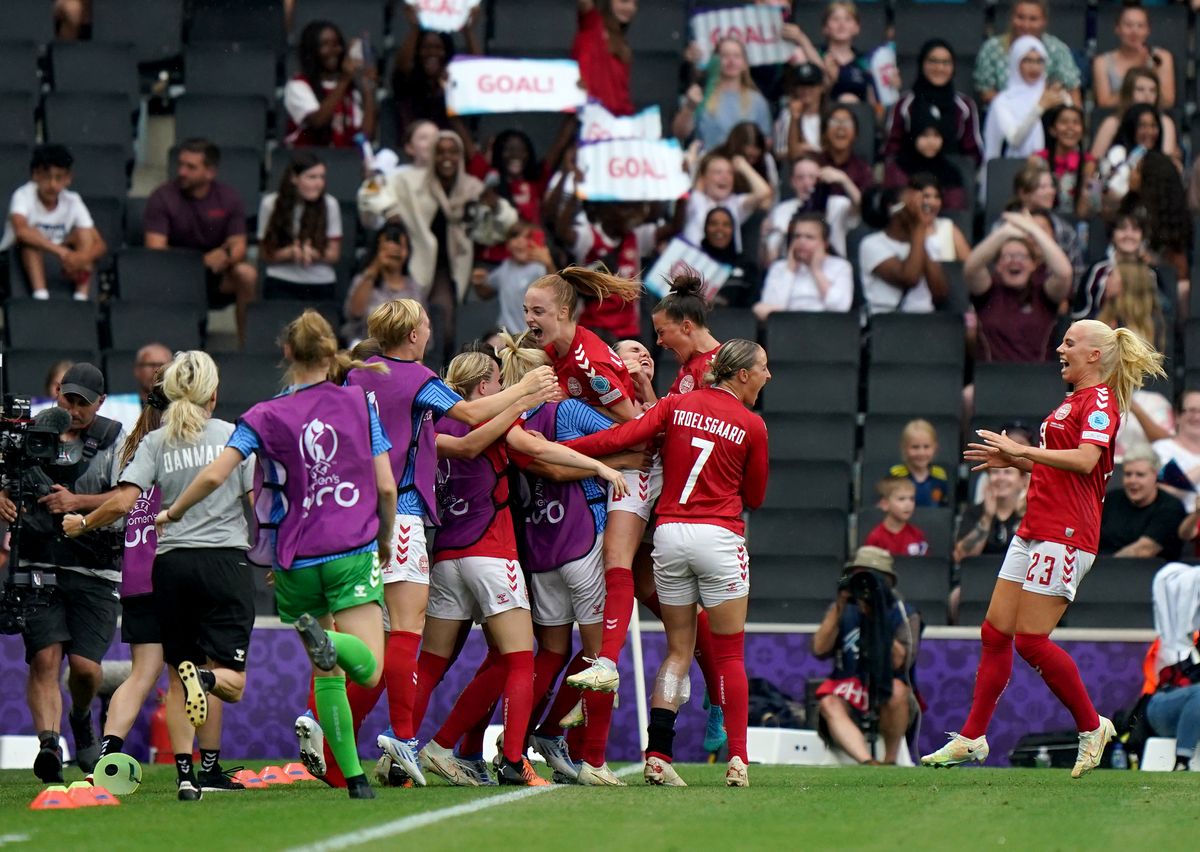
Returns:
point(714, 465)
point(1057, 540)
point(680, 322)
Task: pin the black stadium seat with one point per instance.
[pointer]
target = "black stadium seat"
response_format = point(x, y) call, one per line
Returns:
point(14, 169)
point(18, 66)
point(132, 325)
point(16, 118)
point(914, 389)
point(1007, 391)
point(792, 590)
point(25, 369)
point(808, 485)
point(798, 532)
point(812, 389)
point(168, 277)
point(153, 27)
point(247, 378)
point(924, 583)
point(227, 120)
point(211, 69)
point(352, 17)
point(118, 371)
point(29, 20)
point(813, 338)
point(240, 22)
point(77, 118)
point(733, 323)
point(815, 437)
point(100, 170)
point(95, 67)
point(33, 324)
point(266, 320)
point(898, 338)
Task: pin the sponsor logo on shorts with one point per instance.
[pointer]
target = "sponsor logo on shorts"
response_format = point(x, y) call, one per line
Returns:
point(239, 655)
point(573, 386)
point(423, 564)
point(1063, 412)
point(733, 587)
point(597, 609)
point(502, 598)
point(360, 590)
point(687, 384)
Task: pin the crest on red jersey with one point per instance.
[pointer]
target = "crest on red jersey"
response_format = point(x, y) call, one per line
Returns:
point(573, 386)
point(1063, 412)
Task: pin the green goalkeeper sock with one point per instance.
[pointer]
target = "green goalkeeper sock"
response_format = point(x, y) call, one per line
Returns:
point(354, 657)
point(333, 712)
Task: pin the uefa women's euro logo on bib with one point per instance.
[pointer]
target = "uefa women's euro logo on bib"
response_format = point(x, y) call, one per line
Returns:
point(318, 448)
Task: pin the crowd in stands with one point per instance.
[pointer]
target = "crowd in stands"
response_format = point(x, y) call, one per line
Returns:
point(986, 169)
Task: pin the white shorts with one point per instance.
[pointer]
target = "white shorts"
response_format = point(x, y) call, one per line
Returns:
point(573, 592)
point(459, 589)
point(644, 488)
point(410, 557)
point(699, 562)
point(1046, 567)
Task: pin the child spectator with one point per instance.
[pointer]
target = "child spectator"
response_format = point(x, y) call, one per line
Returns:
point(847, 71)
point(812, 189)
point(300, 234)
point(332, 99)
point(898, 272)
point(1074, 168)
point(747, 140)
point(47, 218)
point(528, 260)
point(798, 127)
point(1123, 289)
point(740, 289)
point(809, 279)
point(837, 149)
point(1141, 86)
point(923, 152)
point(715, 187)
point(894, 533)
point(918, 447)
point(729, 97)
point(384, 279)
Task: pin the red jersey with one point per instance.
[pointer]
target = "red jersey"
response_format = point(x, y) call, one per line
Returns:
point(605, 77)
point(592, 372)
point(714, 453)
point(691, 374)
point(1065, 507)
point(910, 541)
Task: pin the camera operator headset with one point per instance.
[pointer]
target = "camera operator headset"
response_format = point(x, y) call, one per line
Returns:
point(77, 606)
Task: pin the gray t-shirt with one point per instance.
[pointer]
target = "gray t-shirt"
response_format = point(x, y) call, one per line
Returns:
point(510, 280)
point(218, 519)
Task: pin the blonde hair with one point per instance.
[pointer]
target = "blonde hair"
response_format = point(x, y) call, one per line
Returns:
point(1137, 306)
point(366, 348)
point(746, 84)
point(576, 283)
point(392, 322)
point(889, 485)
point(189, 382)
point(846, 5)
point(467, 370)
point(518, 355)
point(912, 427)
point(733, 355)
point(1125, 359)
point(311, 341)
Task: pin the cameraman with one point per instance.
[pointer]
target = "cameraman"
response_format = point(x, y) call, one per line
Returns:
point(77, 606)
point(844, 696)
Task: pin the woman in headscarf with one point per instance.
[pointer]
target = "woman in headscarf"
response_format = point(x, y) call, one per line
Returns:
point(924, 152)
point(1014, 121)
point(933, 93)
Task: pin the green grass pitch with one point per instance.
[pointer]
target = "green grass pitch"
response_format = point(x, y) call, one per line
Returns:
point(798, 808)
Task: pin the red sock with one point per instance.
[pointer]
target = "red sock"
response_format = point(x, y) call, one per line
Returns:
point(618, 610)
point(733, 689)
point(706, 655)
point(480, 694)
point(991, 678)
point(1062, 676)
point(651, 603)
point(567, 697)
point(430, 670)
point(518, 702)
point(574, 740)
point(472, 741)
point(547, 666)
point(597, 714)
point(400, 673)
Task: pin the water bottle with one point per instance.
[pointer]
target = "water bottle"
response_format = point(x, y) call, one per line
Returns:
point(1042, 759)
point(1120, 760)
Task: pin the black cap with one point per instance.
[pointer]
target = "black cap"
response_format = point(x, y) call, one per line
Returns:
point(807, 74)
point(84, 380)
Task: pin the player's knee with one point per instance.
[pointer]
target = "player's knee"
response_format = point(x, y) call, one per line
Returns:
point(832, 707)
point(1030, 646)
point(45, 663)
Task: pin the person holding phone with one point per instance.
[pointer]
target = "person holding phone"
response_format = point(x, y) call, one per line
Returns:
point(332, 99)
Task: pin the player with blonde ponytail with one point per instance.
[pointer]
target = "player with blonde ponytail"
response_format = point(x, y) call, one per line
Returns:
point(1056, 543)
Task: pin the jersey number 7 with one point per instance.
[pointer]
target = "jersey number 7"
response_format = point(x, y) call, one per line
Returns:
point(706, 448)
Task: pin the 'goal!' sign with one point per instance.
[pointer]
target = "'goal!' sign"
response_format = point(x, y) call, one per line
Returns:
point(481, 85)
point(444, 16)
point(632, 170)
point(597, 124)
point(759, 28)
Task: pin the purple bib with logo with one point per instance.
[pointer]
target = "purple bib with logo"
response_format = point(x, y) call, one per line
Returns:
point(317, 443)
point(141, 543)
point(466, 490)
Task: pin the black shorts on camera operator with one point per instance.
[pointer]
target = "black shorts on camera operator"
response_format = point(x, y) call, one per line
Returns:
point(62, 595)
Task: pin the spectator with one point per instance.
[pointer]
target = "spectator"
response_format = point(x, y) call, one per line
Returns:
point(1174, 711)
point(812, 189)
point(332, 99)
point(1141, 520)
point(1017, 277)
point(798, 127)
point(1123, 289)
point(300, 234)
point(1133, 50)
point(1157, 195)
point(1073, 168)
point(384, 279)
point(988, 527)
point(149, 360)
point(809, 278)
point(198, 212)
point(419, 138)
point(419, 76)
point(560, 188)
point(847, 72)
point(72, 18)
point(1141, 132)
point(898, 272)
point(445, 212)
point(895, 533)
point(844, 695)
point(715, 187)
point(946, 242)
point(528, 260)
point(1013, 127)
point(933, 94)
point(46, 218)
point(1035, 188)
point(918, 447)
point(1183, 448)
point(728, 98)
point(993, 68)
point(1139, 87)
point(54, 378)
point(601, 48)
point(924, 153)
point(747, 140)
point(741, 288)
point(518, 174)
point(837, 149)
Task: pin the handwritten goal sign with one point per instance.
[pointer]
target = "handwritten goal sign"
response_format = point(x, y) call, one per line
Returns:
point(596, 124)
point(444, 16)
point(632, 170)
point(481, 85)
point(676, 256)
point(759, 28)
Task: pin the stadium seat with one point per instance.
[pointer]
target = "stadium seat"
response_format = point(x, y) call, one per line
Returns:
point(352, 17)
point(135, 208)
point(473, 319)
point(916, 22)
point(34, 324)
point(866, 142)
point(25, 369)
point(19, 67)
point(343, 170)
point(808, 485)
point(513, 35)
point(655, 81)
point(898, 338)
point(813, 338)
point(265, 322)
point(812, 389)
point(132, 325)
point(14, 169)
point(16, 118)
point(918, 390)
point(227, 120)
point(959, 300)
point(247, 378)
point(258, 22)
point(999, 174)
point(1004, 392)
point(881, 448)
point(924, 583)
point(1115, 594)
point(241, 167)
point(153, 27)
point(814, 437)
point(216, 70)
point(791, 590)
point(118, 371)
point(100, 170)
point(936, 522)
point(977, 576)
point(29, 20)
point(661, 27)
point(77, 118)
point(95, 67)
point(162, 277)
point(798, 533)
point(733, 324)
point(108, 216)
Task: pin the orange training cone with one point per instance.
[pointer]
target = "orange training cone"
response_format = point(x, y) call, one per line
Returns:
point(275, 775)
point(248, 779)
point(54, 798)
point(298, 772)
point(83, 797)
point(103, 797)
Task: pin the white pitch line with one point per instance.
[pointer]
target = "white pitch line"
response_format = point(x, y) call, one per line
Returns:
point(409, 823)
